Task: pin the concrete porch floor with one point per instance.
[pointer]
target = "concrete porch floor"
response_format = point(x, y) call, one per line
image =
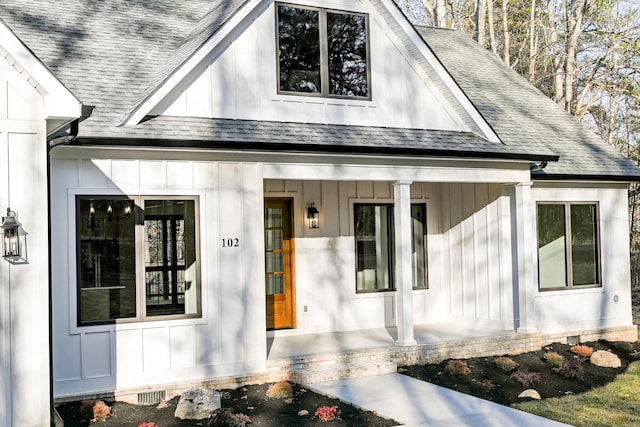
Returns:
point(303, 346)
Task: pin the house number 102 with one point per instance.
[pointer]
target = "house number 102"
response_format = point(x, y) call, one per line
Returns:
point(231, 243)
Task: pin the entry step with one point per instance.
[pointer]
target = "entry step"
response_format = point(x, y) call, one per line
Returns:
point(337, 371)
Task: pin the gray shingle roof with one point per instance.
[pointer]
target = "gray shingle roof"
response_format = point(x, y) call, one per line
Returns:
point(113, 53)
point(520, 114)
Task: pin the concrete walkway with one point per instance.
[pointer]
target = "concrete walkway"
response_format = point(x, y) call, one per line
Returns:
point(412, 402)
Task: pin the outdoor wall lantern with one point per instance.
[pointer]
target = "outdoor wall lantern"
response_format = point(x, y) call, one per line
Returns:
point(313, 216)
point(11, 250)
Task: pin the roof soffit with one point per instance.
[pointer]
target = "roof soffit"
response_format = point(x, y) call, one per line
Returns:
point(59, 103)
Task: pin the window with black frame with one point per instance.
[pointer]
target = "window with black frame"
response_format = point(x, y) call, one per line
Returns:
point(322, 52)
point(374, 240)
point(117, 234)
point(568, 245)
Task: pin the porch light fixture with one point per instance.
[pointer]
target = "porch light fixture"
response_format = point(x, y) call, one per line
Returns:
point(313, 216)
point(11, 250)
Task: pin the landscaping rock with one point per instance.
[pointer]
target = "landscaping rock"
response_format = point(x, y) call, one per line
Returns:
point(197, 404)
point(530, 393)
point(605, 359)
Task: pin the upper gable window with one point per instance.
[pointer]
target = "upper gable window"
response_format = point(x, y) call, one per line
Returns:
point(322, 52)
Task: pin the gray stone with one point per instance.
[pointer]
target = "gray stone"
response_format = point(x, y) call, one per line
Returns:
point(197, 404)
point(605, 359)
point(530, 393)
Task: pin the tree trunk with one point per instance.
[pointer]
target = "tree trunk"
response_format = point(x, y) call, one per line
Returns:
point(532, 43)
point(558, 62)
point(492, 31)
point(506, 37)
point(481, 15)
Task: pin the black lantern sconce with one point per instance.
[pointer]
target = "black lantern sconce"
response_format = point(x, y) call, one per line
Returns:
point(12, 246)
point(313, 215)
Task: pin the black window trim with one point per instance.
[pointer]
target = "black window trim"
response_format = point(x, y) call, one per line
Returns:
point(569, 261)
point(324, 59)
point(137, 201)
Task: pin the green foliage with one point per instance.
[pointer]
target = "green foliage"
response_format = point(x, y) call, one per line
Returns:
point(553, 358)
point(506, 363)
point(616, 404)
point(457, 368)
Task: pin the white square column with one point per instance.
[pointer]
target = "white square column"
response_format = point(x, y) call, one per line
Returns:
point(525, 241)
point(403, 276)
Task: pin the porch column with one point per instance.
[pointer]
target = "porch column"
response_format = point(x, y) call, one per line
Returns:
point(525, 260)
point(403, 276)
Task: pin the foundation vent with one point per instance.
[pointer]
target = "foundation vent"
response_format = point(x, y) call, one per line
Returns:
point(151, 397)
point(573, 340)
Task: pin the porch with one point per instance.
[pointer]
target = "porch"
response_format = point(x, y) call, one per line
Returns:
point(322, 357)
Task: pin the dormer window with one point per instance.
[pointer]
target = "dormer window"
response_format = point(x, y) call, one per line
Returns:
point(322, 52)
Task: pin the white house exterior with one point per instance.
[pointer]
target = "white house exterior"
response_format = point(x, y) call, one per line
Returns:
point(166, 169)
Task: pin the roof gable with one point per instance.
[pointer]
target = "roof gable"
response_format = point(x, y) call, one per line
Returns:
point(388, 26)
point(59, 104)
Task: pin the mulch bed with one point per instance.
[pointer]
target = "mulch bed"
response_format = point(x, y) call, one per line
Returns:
point(485, 380)
point(490, 382)
point(249, 400)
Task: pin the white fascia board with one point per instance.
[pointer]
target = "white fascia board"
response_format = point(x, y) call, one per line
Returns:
point(433, 61)
point(59, 102)
point(183, 72)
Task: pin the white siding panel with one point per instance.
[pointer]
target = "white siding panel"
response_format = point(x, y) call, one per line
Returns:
point(156, 349)
point(153, 174)
point(67, 362)
point(481, 250)
point(182, 349)
point(199, 96)
point(129, 351)
point(232, 281)
point(94, 173)
point(330, 213)
point(125, 174)
point(204, 175)
point(96, 354)
point(179, 175)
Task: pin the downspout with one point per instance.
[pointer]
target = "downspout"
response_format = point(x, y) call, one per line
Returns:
point(538, 166)
point(64, 139)
point(51, 143)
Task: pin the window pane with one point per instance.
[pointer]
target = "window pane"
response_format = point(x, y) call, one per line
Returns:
point(419, 245)
point(374, 240)
point(347, 50)
point(552, 263)
point(106, 260)
point(170, 257)
point(584, 245)
point(299, 49)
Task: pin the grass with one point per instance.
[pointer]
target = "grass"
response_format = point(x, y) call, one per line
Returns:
point(615, 404)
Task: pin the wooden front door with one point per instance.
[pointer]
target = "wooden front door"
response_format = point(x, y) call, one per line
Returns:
point(278, 244)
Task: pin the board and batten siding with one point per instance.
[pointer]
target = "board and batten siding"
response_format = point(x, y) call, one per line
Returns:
point(228, 340)
point(242, 82)
point(591, 308)
point(24, 296)
point(469, 256)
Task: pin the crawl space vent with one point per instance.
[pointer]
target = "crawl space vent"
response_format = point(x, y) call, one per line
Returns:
point(151, 397)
